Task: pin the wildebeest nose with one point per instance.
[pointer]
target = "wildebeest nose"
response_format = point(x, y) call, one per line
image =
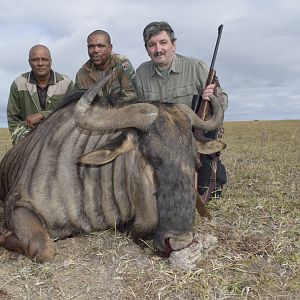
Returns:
point(165, 244)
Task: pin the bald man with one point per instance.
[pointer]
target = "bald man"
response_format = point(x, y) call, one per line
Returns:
point(34, 94)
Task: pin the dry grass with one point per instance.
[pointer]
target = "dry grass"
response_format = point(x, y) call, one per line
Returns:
point(257, 222)
point(5, 142)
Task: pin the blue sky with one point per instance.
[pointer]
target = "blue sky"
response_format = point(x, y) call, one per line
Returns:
point(258, 63)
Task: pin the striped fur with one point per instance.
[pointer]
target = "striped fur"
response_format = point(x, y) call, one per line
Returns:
point(147, 191)
point(41, 173)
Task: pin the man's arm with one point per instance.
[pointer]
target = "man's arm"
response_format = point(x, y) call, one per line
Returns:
point(76, 85)
point(127, 80)
point(139, 86)
point(16, 124)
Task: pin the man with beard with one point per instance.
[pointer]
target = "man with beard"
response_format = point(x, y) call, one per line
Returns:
point(121, 86)
point(171, 77)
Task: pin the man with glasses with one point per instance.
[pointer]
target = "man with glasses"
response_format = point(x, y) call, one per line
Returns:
point(121, 86)
point(34, 94)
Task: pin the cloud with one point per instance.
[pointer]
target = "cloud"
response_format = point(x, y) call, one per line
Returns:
point(258, 61)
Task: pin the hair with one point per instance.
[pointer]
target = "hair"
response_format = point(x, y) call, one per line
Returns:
point(100, 32)
point(155, 28)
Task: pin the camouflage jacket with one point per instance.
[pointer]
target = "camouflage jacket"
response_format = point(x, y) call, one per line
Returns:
point(24, 100)
point(121, 86)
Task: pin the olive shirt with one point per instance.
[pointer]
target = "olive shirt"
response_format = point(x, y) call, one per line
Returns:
point(24, 99)
point(121, 86)
point(186, 78)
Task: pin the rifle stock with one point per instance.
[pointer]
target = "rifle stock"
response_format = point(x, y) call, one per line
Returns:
point(205, 105)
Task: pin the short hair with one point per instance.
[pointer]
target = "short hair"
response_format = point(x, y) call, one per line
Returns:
point(100, 32)
point(155, 28)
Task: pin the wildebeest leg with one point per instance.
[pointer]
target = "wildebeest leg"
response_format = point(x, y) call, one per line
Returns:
point(30, 235)
point(10, 242)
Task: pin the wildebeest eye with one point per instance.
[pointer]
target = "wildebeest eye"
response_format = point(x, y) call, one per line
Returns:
point(156, 161)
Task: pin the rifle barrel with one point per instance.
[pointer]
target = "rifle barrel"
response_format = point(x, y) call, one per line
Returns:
point(220, 28)
point(202, 110)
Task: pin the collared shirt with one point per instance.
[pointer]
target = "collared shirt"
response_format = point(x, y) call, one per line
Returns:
point(120, 87)
point(186, 78)
point(42, 92)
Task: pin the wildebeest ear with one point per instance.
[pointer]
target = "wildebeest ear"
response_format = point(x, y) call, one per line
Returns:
point(209, 146)
point(109, 151)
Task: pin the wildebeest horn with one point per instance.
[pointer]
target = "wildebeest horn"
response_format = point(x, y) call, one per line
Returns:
point(207, 125)
point(139, 115)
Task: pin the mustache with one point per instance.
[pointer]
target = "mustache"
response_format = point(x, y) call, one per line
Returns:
point(159, 53)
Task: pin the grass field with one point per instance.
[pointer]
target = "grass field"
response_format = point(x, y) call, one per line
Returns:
point(257, 223)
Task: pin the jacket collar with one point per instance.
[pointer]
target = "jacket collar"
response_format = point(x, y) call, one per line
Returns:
point(32, 79)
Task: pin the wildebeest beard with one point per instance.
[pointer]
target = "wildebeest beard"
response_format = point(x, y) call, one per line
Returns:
point(174, 177)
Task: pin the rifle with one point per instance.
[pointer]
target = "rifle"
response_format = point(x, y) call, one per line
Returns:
point(212, 78)
point(202, 112)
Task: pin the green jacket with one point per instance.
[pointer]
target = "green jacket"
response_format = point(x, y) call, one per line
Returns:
point(121, 86)
point(23, 100)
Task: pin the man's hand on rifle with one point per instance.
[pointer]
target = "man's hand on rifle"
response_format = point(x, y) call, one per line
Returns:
point(209, 90)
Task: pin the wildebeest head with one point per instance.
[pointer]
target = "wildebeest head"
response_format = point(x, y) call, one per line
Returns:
point(162, 136)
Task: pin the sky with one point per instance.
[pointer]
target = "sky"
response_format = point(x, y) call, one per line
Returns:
point(258, 62)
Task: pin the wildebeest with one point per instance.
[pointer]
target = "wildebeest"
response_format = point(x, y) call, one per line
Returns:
point(90, 166)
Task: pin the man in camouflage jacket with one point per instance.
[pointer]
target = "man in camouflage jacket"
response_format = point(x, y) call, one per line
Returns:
point(121, 86)
point(34, 94)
